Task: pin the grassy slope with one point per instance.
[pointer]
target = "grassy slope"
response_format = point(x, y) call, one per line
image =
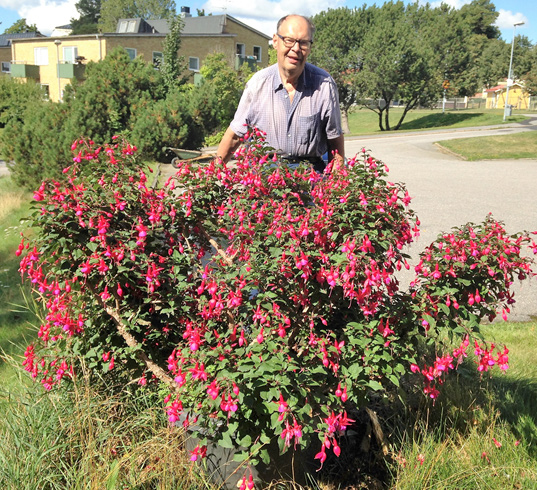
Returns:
point(365, 121)
point(15, 319)
point(510, 146)
point(480, 435)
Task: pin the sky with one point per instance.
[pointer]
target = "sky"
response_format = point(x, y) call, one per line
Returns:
point(259, 14)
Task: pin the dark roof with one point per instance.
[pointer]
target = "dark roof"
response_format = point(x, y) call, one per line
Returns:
point(66, 26)
point(5, 39)
point(201, 25)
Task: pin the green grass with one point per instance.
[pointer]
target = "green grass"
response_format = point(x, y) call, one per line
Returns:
point(456, 439)
point(365, 121)
point(82, 438)
point(511, 146)
point(15, 318)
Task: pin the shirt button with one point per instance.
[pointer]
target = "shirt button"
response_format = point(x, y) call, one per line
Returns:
point(288, 135)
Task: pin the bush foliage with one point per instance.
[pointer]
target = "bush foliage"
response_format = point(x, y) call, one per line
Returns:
point(118, 96)
point(262, 299)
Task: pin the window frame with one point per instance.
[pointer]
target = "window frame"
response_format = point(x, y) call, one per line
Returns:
point(157, 58)
point(240, 49)
point(37, 57)
point(130, 52)
point(4, 65)
point(258, 59)
point(190, 59)
point(46, 88)
point(127, 26)
point(74, 50)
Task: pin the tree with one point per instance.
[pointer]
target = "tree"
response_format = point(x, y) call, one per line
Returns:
point(398, 62)
point(87, 23)
point(35, 146)
point(173, 65)
point(113, 10)
point(113, 94)
point(20, 26)
point(481, 42)
point(336, 48)
point(226, 83)
point(480, 16)
point(531, 77)
point(15, 97)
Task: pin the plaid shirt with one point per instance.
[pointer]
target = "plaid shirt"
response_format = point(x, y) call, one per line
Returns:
point(300, 128)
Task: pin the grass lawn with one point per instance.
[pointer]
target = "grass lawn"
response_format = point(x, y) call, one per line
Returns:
point(509, 146)
point(365, 121)
point(15, 319)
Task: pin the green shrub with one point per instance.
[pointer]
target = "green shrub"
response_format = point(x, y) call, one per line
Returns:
point(169, 122)
point(37, 146)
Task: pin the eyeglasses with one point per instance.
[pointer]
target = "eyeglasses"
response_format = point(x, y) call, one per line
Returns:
point(289, 42)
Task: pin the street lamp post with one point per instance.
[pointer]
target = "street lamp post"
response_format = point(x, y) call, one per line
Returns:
point(509, 79)
point(57, 42)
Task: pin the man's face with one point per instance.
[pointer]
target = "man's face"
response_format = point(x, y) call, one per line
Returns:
point(292, 59)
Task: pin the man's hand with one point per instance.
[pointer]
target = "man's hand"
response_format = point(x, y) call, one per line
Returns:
point(229, 143)
point(336, 149)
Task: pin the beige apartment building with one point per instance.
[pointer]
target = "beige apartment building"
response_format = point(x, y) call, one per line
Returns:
point(55, 61)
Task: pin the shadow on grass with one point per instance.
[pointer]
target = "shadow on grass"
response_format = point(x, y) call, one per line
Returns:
point(438, 120)
point(516, 400)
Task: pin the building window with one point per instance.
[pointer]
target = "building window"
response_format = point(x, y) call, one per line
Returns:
point(46, 90)
point(241, 49)
point(158, 58)
point(70, 54)
point(193, 63)
point(257, 53)
point(41, 56)
point(6, 67)
point(131, 52)
point(127, 26)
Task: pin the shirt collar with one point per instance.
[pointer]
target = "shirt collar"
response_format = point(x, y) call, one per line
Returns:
point(303, 81)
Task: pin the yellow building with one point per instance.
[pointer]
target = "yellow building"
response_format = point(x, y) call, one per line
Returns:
point(5, 49)
point(53, 62)
point(518, 97)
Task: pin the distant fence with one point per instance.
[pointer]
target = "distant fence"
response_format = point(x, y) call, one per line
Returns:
point(454, 103)
point(462, 103)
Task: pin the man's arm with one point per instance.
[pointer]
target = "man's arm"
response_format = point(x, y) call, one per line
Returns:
point(336, 145)
point(229, 143)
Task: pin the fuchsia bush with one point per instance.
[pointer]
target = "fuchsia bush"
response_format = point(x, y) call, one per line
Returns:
point(264, 301)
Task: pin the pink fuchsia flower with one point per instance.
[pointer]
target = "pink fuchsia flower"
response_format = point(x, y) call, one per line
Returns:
point(198, 452)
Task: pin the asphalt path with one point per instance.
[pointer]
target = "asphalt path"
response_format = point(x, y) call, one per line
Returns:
point(448, 191)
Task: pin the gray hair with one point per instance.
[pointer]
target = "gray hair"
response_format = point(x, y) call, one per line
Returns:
point(307, 19)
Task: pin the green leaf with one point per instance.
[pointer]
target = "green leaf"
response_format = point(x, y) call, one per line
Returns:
point(375, 385)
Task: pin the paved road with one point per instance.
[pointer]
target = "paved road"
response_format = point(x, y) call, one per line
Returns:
point(449, 192)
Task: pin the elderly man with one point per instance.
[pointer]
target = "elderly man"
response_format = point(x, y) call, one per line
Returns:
point(295, 103)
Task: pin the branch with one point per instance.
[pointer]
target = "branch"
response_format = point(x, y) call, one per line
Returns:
point(132, 342)
point(227, 259)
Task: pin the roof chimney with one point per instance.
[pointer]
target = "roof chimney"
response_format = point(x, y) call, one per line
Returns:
point(185, 12)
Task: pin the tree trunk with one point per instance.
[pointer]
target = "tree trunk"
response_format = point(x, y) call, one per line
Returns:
point(345, 121)
point(387, 117)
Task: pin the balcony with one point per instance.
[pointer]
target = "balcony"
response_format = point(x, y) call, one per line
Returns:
point(251, 61)
point(71, 70)
point(19, 69)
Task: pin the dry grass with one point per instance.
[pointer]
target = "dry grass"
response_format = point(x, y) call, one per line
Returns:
point(11, 201)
